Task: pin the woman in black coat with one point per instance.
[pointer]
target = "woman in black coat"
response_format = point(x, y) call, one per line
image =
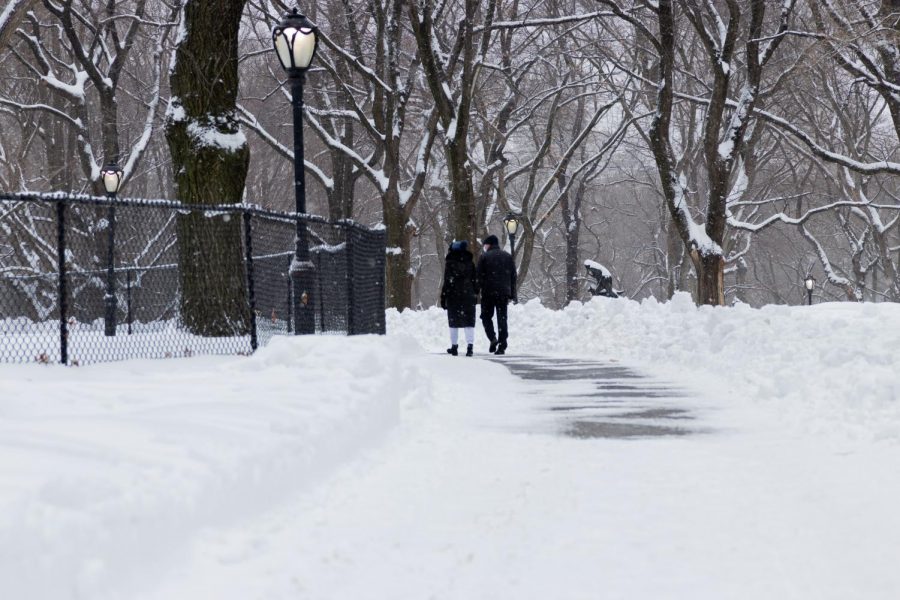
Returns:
point(458, 295)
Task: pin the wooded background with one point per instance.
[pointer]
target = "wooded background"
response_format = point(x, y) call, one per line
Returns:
point(723, 147)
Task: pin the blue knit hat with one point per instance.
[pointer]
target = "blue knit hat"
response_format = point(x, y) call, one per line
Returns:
point(460, 245)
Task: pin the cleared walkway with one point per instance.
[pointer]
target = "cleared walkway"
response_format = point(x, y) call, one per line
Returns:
point(588, 399)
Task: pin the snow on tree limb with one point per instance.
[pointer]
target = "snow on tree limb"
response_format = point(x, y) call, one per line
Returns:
point(10, 16)
point(247, 118)
point(545, 21)
point(781, 217)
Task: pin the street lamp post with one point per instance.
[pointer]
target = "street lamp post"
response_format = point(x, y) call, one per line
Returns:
point(295, 42)
point(810, 284)
point(512, 228)
point(112, 179)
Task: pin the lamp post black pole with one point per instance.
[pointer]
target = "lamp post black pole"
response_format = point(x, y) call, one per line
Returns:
point(809, 296)
point(110, 298)
point(302, 269)
point(512, 244)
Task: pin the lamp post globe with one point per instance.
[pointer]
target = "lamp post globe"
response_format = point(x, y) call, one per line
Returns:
point(511, 221)
point(810, 283)
point(111, 175)
point(295, 40)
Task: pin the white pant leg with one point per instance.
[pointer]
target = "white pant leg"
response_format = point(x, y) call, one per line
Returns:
point(454, 336)
point(470, 335)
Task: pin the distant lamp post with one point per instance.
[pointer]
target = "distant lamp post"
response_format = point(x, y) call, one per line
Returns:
point(810, 284)
point(112, 179)
point(512, 228)
point(295, 42)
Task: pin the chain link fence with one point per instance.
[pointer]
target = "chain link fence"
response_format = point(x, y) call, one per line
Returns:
point(86, 279)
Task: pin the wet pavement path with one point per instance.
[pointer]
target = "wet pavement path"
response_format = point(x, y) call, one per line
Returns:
point(594, 399)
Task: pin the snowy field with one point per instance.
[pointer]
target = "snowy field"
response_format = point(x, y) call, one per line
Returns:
point(367, 467)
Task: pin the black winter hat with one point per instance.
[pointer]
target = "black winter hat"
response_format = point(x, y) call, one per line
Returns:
point(492, 240)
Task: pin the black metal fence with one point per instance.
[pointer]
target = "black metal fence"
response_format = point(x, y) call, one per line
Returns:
point(86, 279)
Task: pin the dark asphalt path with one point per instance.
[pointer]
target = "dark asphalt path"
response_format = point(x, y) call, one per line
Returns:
point(593, 399)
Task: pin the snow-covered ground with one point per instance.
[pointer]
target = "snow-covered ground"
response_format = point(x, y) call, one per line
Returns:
point(107, 470)
point(832, 369)
point(369, 467)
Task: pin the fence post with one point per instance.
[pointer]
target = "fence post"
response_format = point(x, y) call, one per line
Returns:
point(128, 317)
point(290, 301)
point(381, 263)
point(251, 292)
point(351, 303)
point(61, 285)
point(319, 293)
point(109, 327)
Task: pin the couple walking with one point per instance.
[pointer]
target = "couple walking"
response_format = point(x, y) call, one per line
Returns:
point(494, 279)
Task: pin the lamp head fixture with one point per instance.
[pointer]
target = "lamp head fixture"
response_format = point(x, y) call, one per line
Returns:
point(111, 175)
point(512, 224)
point(295, 39)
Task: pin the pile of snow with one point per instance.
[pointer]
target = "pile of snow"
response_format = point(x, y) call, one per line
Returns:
point(105, 469)
point(830, 368)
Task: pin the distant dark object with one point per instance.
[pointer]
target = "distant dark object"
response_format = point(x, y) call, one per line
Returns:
point(604, 280)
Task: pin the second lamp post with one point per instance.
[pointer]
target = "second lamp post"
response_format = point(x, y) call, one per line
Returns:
point(112, 179)
point(512, 228)
point(810, 284)
point(295, 43)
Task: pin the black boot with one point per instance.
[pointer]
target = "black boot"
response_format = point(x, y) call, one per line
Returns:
point(453, 350)
point(493, 347)
point(501, 348)
point(469, 351)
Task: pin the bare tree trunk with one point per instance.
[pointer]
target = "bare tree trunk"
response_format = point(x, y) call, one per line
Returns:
point(454, 113)
point(572, 230)
point(399, 239)
point(210, 158)
point(710, 278)
point(674, 259)
point(340, 205)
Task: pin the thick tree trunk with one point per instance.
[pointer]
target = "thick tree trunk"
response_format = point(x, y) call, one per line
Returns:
point(109, 114)
point(399, 239)
point(572, 223)
point(524, 253)
point(710, 278)
point(454, 113)
point(740, 293)
point(674, 259)
point(462, 195)
point(340, 204)
point(210, 158)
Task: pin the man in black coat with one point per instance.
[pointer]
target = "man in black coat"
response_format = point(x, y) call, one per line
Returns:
point(497, 278)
